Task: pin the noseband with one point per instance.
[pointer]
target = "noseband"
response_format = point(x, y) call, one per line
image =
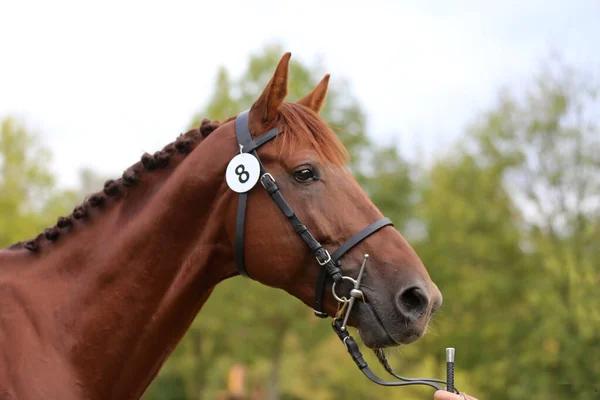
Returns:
point(330, 263)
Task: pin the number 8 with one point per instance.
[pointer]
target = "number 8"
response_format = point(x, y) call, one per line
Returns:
point(243, 175)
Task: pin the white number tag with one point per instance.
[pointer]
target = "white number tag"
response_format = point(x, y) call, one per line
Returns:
point(242, 172)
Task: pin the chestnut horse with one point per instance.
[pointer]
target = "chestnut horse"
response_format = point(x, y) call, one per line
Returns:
point(91, 308)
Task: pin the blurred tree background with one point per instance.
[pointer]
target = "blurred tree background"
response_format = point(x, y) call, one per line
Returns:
point(507, 222)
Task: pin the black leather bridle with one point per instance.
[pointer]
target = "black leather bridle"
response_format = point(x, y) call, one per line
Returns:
point(329, 262)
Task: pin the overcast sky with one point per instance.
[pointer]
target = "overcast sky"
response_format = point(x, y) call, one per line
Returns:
point(103, 82)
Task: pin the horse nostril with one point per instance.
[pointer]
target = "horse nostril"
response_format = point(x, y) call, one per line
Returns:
point(413, 301)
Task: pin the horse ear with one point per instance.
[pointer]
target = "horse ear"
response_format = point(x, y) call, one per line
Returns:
point(315, 100)
point(265, 109)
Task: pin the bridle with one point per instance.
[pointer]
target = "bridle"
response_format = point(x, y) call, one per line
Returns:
point(330, 263)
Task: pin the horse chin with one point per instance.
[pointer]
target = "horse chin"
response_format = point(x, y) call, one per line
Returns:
point(374, 333)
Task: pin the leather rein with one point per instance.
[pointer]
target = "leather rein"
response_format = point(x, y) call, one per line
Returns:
point(330, 263)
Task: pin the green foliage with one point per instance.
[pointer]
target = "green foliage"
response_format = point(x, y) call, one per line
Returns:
point(548, 146)
point(512, 221)
point(387, 181)
point(28, 200)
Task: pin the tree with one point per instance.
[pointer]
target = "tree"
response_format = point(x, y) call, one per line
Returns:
point(512, 223)
point(550, 144)
point(472, 251)
point(28, 199)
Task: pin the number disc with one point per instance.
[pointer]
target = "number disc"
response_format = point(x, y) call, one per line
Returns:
point(242, 172)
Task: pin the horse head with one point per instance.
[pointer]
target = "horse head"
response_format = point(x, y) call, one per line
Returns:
point(309, 164)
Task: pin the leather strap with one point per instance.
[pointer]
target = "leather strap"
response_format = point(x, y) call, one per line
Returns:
point(359, 237)
point(244, 138)
point(322, 255)
point(360, 362)
point(262, 139)
point(319, 294)
point(336, 255)
point(240, 222)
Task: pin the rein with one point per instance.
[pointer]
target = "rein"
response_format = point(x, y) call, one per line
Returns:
point(329, 262)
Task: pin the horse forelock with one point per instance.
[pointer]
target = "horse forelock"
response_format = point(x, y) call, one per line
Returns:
point(302, 126)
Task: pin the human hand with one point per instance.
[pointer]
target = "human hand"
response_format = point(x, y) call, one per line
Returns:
point(443, 395)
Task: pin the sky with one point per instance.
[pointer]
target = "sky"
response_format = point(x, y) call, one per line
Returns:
point(103, 82)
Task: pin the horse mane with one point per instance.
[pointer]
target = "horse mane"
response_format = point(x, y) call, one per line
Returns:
point(306, 125)
point(184, 144)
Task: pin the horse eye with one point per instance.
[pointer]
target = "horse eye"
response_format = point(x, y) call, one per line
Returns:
point(304, 175)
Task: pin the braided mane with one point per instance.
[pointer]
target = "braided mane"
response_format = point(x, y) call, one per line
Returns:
point(184, 144)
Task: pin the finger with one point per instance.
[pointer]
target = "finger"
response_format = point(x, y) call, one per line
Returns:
point(443, 395)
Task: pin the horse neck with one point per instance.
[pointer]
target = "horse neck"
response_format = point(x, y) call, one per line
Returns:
point(128, 286)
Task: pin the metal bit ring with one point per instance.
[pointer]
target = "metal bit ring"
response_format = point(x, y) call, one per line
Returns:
point(342, 300)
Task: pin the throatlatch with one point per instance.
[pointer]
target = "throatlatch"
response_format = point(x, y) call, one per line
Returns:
point(330, 263)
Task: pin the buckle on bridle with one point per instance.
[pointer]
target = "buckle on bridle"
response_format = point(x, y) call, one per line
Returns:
point(262, 180)
point(322, 263)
